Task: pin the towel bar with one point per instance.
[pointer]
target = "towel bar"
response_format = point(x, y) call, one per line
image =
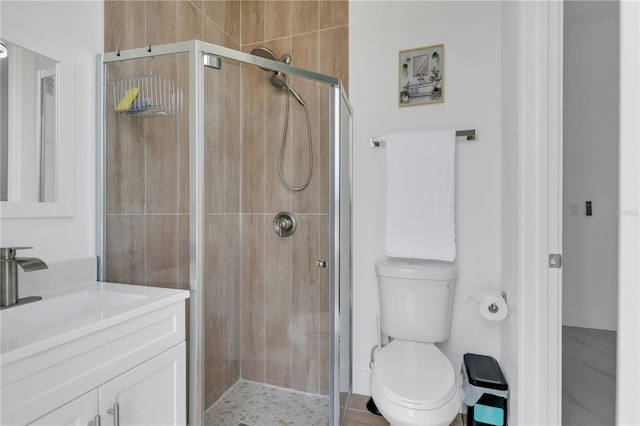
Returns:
point(471, 135)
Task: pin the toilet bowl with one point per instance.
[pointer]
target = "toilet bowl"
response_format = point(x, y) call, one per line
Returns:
point(415, 384)
point(412, 382)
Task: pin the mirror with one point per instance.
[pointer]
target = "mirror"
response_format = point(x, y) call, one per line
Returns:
point(29, 129)
point(45, 182)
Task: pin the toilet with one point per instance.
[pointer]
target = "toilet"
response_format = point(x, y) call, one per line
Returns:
point(412, 382)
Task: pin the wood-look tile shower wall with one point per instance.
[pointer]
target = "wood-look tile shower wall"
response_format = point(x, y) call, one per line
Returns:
point(265, 300)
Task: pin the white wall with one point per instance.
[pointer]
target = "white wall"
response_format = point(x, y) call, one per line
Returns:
point(470, 32)
point(76, 27)
point(590, 243)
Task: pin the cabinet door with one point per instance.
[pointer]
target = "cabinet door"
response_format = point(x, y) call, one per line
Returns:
point(78, 412)
point(153, 393)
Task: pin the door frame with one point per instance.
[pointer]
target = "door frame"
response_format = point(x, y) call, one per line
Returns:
point(539, 288)
point(628, 350)
point(538, 332)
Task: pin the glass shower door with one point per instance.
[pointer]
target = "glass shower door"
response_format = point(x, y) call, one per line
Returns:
point(266, 294)
point(342, 250)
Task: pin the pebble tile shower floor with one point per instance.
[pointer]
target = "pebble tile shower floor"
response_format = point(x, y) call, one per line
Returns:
point(255, 404)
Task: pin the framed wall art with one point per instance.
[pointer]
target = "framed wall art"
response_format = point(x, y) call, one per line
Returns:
point(421, 76)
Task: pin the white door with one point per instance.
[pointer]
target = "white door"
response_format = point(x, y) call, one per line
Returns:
point(628, 316)
point(154, 393)
point(535, 346)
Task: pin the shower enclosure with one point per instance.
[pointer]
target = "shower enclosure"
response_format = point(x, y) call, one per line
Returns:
point(195, 145)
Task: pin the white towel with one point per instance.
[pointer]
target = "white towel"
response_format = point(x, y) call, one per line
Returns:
point(421, 195)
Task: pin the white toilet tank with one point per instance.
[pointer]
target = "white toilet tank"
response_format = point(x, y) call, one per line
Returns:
point(416, 298)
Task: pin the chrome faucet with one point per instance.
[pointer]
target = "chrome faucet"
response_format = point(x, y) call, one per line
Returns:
point(9, 275)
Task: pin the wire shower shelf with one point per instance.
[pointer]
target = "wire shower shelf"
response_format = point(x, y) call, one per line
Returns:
point(151, 95)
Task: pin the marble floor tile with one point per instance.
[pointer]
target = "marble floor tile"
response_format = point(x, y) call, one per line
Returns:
point(588, 376)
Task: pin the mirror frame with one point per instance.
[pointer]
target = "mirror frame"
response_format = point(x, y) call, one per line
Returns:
point(65, 158)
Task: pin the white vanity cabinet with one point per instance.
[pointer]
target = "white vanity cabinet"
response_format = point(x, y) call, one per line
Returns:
point(152, 393)
point(127, 366)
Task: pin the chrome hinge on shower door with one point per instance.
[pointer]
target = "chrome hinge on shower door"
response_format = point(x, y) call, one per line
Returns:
point(211, 61)
point(555, 260)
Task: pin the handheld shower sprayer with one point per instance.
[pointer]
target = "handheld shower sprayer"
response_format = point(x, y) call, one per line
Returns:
point(280, 81)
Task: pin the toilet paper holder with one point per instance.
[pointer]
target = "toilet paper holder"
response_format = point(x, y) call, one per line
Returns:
point(497, 311)
point(493, 308)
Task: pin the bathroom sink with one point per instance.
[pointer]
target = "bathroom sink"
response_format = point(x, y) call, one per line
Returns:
point(66, 314)
point(36, 317)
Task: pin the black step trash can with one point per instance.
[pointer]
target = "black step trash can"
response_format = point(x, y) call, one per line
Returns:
point(485, 391)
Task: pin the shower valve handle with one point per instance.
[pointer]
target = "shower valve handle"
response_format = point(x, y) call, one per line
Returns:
point(284, 224)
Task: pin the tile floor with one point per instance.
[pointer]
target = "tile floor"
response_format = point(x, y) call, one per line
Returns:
point(358, 415)
point(588, 376)
point(255, 404)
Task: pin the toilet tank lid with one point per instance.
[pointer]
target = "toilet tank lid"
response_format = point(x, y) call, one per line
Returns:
point(416, 269)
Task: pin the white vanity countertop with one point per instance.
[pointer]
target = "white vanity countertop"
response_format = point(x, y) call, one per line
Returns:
point(73, 312)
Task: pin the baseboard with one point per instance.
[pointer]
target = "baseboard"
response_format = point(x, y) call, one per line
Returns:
point(361, 381)
point(595, 320)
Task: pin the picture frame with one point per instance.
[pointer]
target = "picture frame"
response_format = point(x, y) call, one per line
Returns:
point(421, 76)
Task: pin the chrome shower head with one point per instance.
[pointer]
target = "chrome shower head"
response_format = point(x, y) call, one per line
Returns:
point(279, 80)
point(266, 53)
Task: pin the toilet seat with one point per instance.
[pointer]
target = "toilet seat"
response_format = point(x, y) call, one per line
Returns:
point(414, 375)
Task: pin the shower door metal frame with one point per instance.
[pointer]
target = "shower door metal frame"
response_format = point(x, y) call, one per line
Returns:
point(197, 51)
point(339, 205)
